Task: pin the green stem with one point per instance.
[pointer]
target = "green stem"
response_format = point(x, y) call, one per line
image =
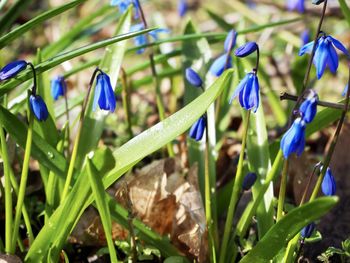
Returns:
point(282, 193)
point(8, 194)
point(207, 194)
point(235, 193)
point(126, 101)
point(77, 139)
point(23, 183)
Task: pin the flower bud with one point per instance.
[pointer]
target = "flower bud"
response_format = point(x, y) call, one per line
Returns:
point(193, 78)
point(12, 69)
point(249, 181)
point(307, 231)
point(38, 107)
point(246, 49)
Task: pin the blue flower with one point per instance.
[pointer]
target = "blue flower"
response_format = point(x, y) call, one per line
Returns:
point(12, 69)
point(328, 184)
point(104, 95)
point(246, 49)
point(308, 108)
point(293, 141)
point(193, 78)
point(345, 90)
point(249, 181)
point(230, 41)
point(141, 40)
point(307, 231)
point(124, 4)
point(297, 5)
point(198, 128)
point(182, 7)
point(224, 61)
point(38, 107)
point(325, 54)
point(248, 91)
point(58, 87)
point(305, 36)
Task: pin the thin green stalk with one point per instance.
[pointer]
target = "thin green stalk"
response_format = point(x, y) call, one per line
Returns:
point(126, 101)
point(8, 194)
point(67, 119)
point(235, 193)
point(77, 139)
point(282, 193)
point(160, 103)
point(23, 183)
point(207, 194)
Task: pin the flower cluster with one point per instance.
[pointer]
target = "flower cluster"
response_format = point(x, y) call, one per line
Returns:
point(293, 141)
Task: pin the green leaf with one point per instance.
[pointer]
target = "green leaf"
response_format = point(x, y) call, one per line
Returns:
point(19, 31)
point(287, 228)
point(345, 10)
point(60, 224)
point(57, 60)
point(99, 193)
point(219, 20)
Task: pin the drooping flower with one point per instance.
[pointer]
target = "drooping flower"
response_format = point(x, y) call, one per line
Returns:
point(308, 108)
point(305, 37)
point(38, 107)
point(248, 92)
point(224, 61)
point(104, 95)
point(328, 186)
point(307, 231)
point(293, 141)
point(182, 7)
point(141, 40)
point(325, 54)
point(124, 4)
point(12, 69)
point(193, 78)
point(58, 87)
point(249, 181)
point(246, 49)
point(296, 5)
point(198, 128)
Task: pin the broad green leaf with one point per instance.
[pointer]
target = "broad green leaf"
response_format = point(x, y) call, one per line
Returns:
point(19, 31)
point(110, 64)
point(57, 60)
point(99, 193)
point(62, 221)
point(285, 229)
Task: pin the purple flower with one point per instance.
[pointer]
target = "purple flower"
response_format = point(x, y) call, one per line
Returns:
point(12, 69)
point(104, 95)
point(248, 92)
point(293, 141)
point(58, 87)
point(38, 107)
point(296, 5)
point(325, 54)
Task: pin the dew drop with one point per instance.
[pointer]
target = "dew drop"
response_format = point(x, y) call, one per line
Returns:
point(50, 155)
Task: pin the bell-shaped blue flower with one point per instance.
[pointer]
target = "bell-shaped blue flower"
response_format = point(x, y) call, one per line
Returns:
point(104, 95)
point(198, 128)
point(307, 231)
point(325, 54)
point(124, 4)
point(230, 41)
point(248, 92)
point(293, 141)
point(38, 107)
point(193, 78)
point(249, 181)
point(141, 40)
point(305, 37)
point(328, 184)
point(296, 5)
point(12, 69)
point(182, 7)
point(308, 108)
point(246, 49)
point(58, 87)
point(220, 65)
